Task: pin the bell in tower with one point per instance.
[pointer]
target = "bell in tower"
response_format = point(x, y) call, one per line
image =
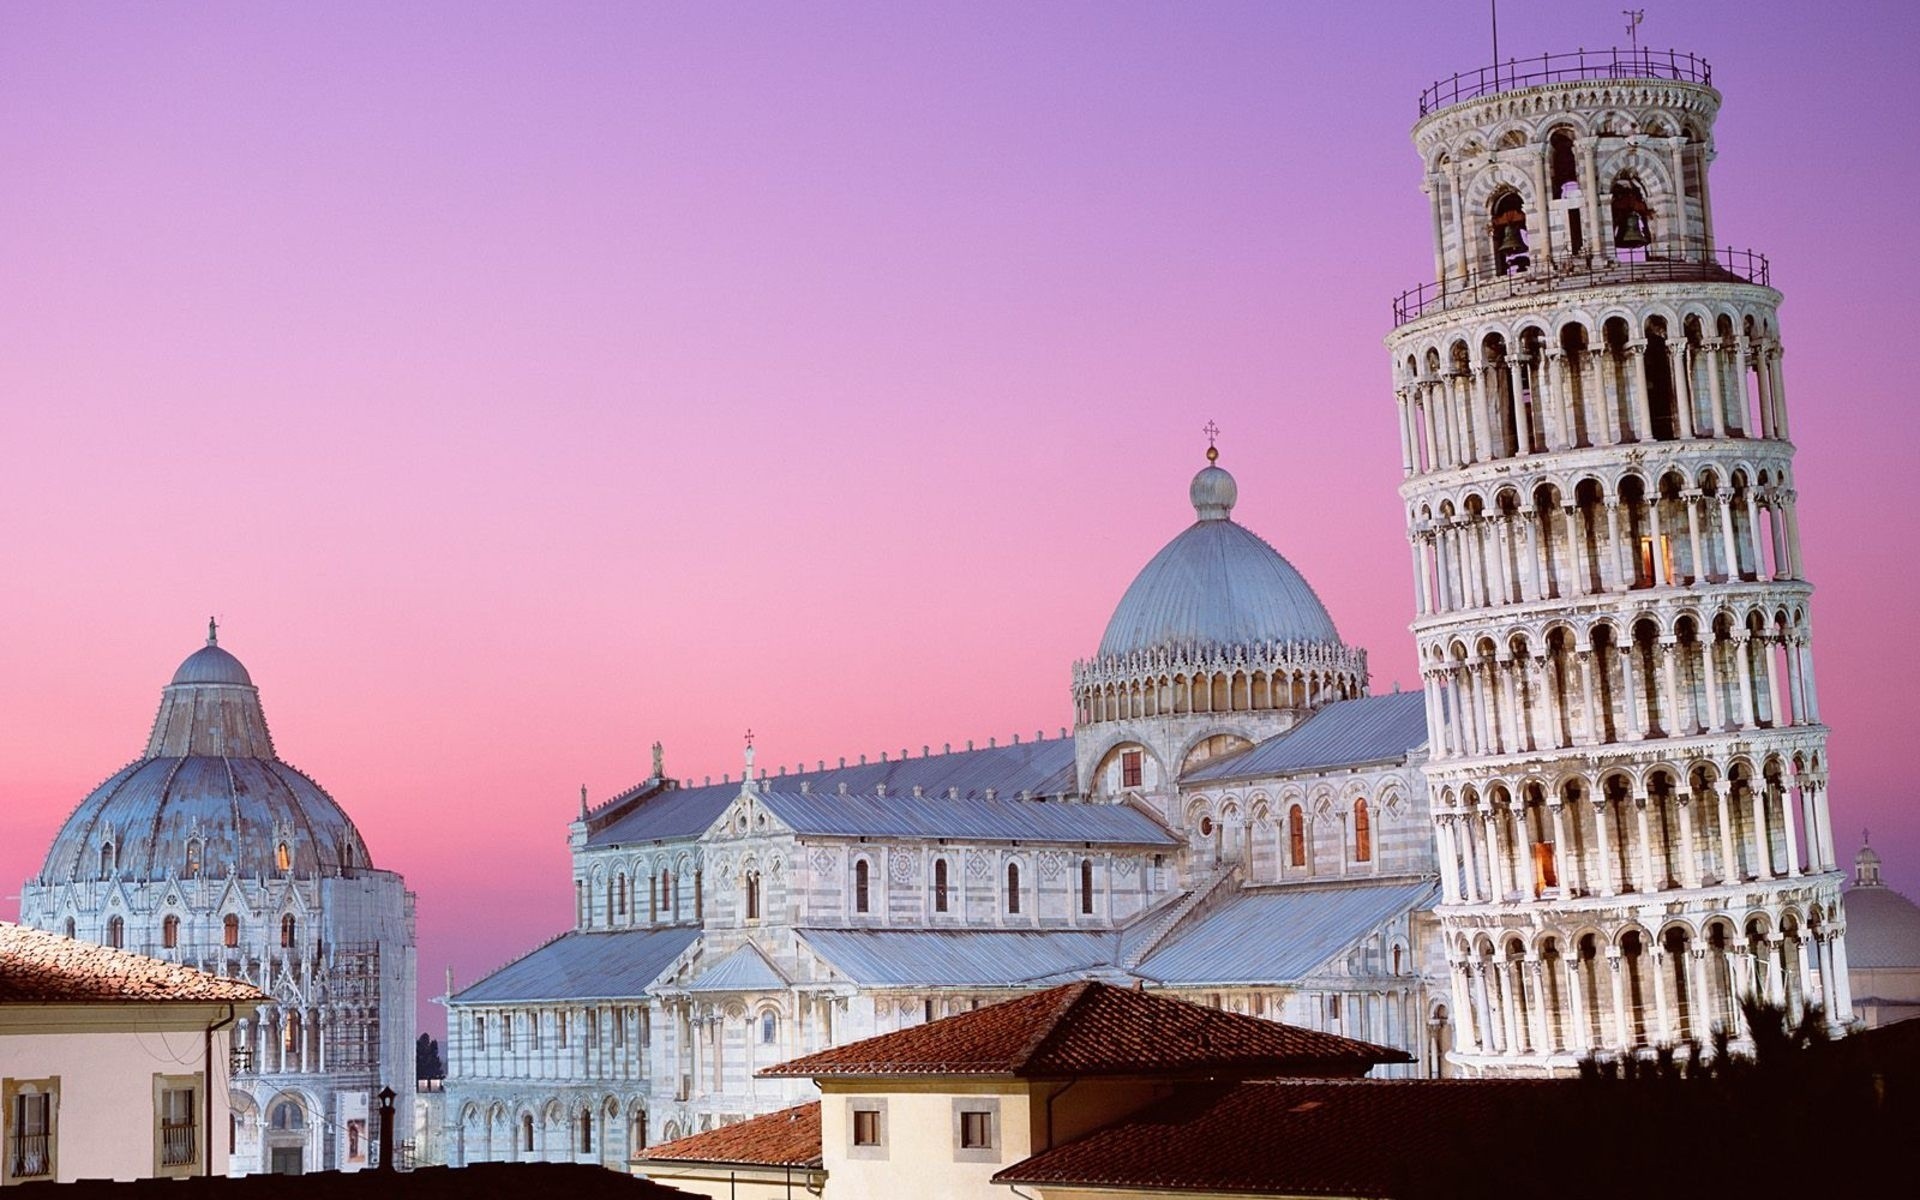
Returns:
point(1631, 229)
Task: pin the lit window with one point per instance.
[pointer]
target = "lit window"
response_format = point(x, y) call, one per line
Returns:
point(976, 1131)
point(283, 857)
point(861, 893)
point(170, 932)
point(230, 931)
point(1296, 837)
point(1362, 832)
point(1130, 768)
point(287, 931)
point(116, 932)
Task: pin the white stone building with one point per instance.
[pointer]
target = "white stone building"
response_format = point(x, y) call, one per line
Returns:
point(1628, 769)
point(208, 850)
point(1602, 820)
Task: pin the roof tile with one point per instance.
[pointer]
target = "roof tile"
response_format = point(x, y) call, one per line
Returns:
point(46, 968)
point(1090, 1028)
point(787, 1138)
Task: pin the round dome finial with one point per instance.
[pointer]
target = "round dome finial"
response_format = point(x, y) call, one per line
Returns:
point(1213, 494)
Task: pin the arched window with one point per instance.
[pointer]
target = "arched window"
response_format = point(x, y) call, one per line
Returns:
point(620, 893)
point(170, 932)
point(1362, 832)
point(106, 860)
point(70, 929)
point(230, 931)
point(526, 1132)
point(1013, 887)
point(637, 1139)
point(1086, 886)
point(668, 900)
point(586, 1132)
point(939, 885)
point(1509, 227)
point(862, 896)
point(769, 1026)
point(116, 932)
point(287, 1115)
point(193, 858)
point(1296, 837)
point(753, 895)
point(287, 931)
point(283, 857)
point(699, 896)
point(1632, 226)
point(292, 1030)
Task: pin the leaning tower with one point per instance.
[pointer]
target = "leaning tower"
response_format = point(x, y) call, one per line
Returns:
point(1628, 770)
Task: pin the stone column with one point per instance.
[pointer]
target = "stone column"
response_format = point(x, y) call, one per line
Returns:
point(1680, 370)
point(1697, 565)
point(1503, 544)
point(1535, 583)
point(1743, 675)
point(1563, 863)
point(1729, 858)
point(1670, 673)
point(1642, 413)
point(1407, 455)
point(1715, 386)
point(1762, 849)
point(1647, 881)
point(1477, 413)
point(1617, 555)
point(1463, 1013)
point(1496, 854)
point(1513, 1031)
point(1522, 423)
point(1590, 725)
point(1662, 1002)
point(1550, 693)
point(1538, 1023)
point(1689, 852)
point(1622, 1017)
point(1711, 674)
point(1604, 837)
point(1780, 429)
point(1778, 529)
point(1768, 655)
point(1727, 546)
point(1630, 689)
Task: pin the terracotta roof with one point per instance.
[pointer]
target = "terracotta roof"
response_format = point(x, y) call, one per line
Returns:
point(45, 968)
point(1092, 1028)
point(1361, 1137)
point(788, 1138)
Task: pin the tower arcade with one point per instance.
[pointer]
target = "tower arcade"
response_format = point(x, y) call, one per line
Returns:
point(1628, 769)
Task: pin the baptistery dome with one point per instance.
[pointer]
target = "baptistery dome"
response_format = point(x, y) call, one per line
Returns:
point(209, 794)
point(1217, 585)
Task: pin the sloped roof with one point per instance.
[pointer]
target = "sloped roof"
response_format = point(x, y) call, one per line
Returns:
point(1367, 1137)
point(590, 965)
point(961, 958)
point(1281, 934)
point(1345, 733)
point(480, 1181)
point(787, 1138)
point(744, 969)
point(37, 967)
point(976, 819)
point(1883, 927)
point(1094, 1029)
point(1040, 768)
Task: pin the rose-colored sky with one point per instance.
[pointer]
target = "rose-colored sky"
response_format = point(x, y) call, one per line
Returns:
point(521, 384)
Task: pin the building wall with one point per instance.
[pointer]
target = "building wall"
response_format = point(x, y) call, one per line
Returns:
point(920, 1155)
point(106, 1058)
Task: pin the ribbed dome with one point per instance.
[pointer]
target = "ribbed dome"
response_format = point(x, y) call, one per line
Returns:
point(210, 775)
point(211, 664)
point(1216, 585)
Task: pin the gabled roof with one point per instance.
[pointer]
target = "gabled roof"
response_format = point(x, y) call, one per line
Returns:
point(588, 965)
point(1039, 768)
point(1094, 1029)
point(1343, 734)
point(1368, 1137)
point(787, 1138)
point(1280, 934)
point(37, 967)
point(1001, 819)
point(744, 969)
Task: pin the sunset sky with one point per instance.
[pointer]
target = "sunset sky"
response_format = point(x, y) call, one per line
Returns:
point(521, 384)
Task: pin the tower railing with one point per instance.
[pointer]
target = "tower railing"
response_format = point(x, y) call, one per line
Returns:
point(1682, 263)
point(1518, 73)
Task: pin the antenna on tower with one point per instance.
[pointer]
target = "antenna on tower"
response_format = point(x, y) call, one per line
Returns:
point(1634, 16)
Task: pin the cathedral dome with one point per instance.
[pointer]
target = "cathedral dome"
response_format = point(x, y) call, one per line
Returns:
point(1216, 585)
point(208, 794)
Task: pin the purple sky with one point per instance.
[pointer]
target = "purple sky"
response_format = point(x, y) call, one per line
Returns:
point(522, 384)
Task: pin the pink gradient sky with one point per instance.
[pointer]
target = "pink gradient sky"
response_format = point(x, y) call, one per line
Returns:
point(523, 384)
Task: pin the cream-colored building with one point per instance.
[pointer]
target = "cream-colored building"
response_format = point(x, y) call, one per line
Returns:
point(940, 1110)
point(112, 1065)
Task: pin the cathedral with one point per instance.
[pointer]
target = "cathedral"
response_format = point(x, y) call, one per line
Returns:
point(208, 850)
point(1601, 821)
